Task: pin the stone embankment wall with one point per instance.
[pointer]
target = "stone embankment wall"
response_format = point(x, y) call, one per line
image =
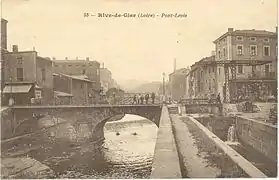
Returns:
point(6, 123)
point(261, 136)
point(231, 158)
point(218, 125)
point(165, 161)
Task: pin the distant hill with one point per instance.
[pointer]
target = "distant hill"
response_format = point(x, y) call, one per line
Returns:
point(147, 87)
point(131, 84)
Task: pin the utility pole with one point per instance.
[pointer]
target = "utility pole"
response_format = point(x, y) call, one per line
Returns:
point(164, 91)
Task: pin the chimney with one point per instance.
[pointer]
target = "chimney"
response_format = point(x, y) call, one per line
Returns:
point(53, 58)
point(15, 48)
point(66, 58)
point(174, 65)
point(230, 29)
point(87, 58)
point(212, 53)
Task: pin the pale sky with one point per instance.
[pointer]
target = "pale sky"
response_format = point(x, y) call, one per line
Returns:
point(131, 48)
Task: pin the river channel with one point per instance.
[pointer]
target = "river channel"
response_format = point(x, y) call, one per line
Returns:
point(127, 152)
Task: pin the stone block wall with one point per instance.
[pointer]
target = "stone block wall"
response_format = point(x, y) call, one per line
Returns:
point(261, 136)
point(6, 123)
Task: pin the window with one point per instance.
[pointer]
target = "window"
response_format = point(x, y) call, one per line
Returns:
point(209, 84)
point(253, 39)
point(266, 51)
point(240, 69)
point(239, 50)
point(209, 70)
point(19, 60)
point(239, 38)
point(266, 40)
point(253, 50)
point(267, 68)
point(43, 74)
point(19, 74)
point(213, 69)
point(83, 71)
point(38, 94)
point(219, 54)
point(219, 70)
point(224, 52)
point(70, 65)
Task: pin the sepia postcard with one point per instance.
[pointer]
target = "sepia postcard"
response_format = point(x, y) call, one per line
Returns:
point(130, 89)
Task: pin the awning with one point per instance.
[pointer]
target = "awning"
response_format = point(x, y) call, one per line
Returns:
point(19, 88)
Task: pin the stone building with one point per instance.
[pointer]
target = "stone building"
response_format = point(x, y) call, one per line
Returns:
point(177, 83)
point(77, 90)
point(201, 81)
point(28, 67)
point(77, 67)
point(248, 45)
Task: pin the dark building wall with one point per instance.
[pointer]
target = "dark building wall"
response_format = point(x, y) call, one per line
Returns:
point(62, 83)
point(80, 67)
point(25, 60)
point(80, 92)
point(44, 78)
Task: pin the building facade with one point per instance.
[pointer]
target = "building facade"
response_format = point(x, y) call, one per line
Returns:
point(27, 66)
point(76, 90)
point(201, 81)
point(77, 67)
point(177, 84)
point(249, 46)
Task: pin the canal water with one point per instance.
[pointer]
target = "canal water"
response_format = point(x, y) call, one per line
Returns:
point(127, 152)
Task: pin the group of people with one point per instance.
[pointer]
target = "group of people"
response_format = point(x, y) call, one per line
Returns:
point(139, 99)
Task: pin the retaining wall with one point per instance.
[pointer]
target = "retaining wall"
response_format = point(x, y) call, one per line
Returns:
point(239, 161)
point(165, 161)
point(261, 136)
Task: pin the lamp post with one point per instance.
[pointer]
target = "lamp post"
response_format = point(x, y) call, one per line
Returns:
point(11, 93)
point(164, 91)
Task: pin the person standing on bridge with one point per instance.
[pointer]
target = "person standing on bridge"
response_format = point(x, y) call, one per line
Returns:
point(135, 99)
point(218, 98)
point(153, 98)
point(141, 99)
point(146, 98)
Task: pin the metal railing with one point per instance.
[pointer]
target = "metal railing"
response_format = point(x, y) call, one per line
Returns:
point(199, 101)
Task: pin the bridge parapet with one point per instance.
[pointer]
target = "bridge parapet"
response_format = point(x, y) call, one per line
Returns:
point(26, 118)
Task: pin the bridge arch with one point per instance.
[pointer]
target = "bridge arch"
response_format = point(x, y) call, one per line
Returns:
point(94, 117)
point(152, 113)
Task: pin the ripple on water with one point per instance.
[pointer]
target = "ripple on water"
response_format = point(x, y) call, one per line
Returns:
point(123, 156)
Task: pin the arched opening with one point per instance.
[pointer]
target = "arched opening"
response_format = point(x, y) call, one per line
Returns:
point(129, 143)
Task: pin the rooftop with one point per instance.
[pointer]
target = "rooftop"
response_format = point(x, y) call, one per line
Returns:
point(76, 77)
point(246, 32)
point(79, 61)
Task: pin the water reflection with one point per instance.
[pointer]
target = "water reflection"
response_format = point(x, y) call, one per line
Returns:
point(128, 155)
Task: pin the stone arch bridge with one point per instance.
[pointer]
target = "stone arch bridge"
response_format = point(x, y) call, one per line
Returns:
point(82, 118)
